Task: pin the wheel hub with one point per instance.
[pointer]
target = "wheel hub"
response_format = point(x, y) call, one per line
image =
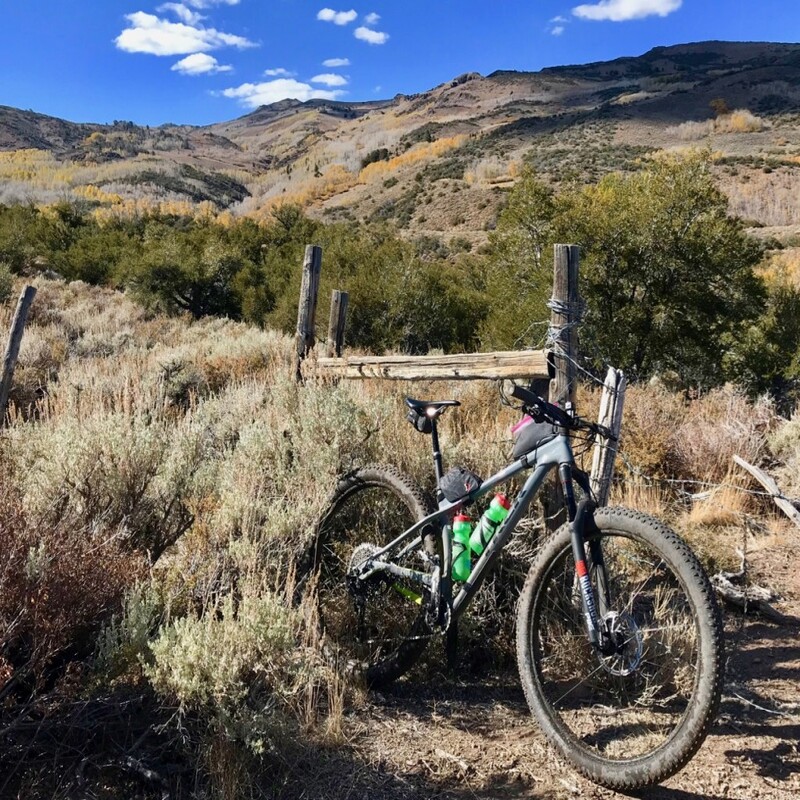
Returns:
point(625, 644)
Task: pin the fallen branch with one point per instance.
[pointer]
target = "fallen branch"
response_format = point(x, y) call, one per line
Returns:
point(783, 502)
point(748, 598)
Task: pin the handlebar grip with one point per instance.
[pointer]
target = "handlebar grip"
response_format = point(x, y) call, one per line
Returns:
point(553, 413)
point(529, 398)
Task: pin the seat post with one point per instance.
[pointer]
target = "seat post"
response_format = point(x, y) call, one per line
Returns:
point(437, 459)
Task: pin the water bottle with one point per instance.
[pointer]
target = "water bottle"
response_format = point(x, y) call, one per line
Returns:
point(489, 523)
point(462, 566)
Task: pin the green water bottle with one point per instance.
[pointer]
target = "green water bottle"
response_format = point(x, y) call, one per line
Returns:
point(489, 523)
point(462, 566)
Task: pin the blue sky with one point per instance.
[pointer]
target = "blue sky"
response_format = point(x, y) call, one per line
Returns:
point(203, 61)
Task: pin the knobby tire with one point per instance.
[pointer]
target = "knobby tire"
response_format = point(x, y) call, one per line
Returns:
point(632, 719)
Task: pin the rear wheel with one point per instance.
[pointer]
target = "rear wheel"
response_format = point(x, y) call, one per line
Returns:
point(635, 715)
point(375, 627)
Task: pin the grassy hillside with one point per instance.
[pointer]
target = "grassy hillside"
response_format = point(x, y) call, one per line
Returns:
point(439, 161)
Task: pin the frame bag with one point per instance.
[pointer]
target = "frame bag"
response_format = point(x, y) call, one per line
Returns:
point(459, 482)
point(529, 434)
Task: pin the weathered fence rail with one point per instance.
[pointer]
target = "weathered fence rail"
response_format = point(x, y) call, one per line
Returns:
point(462, 367)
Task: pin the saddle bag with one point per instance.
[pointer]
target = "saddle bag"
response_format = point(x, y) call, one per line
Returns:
point(421, 422)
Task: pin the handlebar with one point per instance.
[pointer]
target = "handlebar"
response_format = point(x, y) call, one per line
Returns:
point(541, 410)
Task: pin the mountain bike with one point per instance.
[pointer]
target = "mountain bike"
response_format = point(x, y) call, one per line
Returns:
point(619, 637)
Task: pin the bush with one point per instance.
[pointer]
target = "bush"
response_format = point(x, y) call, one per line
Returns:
point(243, 666)
point(58, 583)
point(6, 283)
point(653, 244)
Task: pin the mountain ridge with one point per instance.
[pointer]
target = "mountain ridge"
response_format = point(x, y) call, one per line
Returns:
point(452, 147)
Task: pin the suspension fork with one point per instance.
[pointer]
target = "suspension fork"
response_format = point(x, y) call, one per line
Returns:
point(581, 522)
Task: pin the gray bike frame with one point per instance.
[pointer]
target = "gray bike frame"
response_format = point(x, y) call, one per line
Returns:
point(550, 455)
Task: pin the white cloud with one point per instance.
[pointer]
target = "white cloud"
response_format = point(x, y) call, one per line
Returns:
point(336, 62)
point(557, 30)
point(337, 17)
point(370, 36)
point(372, 19)
point(623, 10)
point(329, 79)
point(278, 72)
point(559, 18)
point(182, 12)
point(200, 64)
point(253, 95)
point(150, 34)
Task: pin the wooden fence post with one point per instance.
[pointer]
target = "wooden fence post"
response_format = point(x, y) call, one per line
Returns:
point(12, 349)
point(307, 310)
point(563, 344)
point(611, 404)
point(564, 317)
point(336, 324)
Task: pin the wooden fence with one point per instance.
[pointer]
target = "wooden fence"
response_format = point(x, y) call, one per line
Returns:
point(12, 347)
point(558, 362)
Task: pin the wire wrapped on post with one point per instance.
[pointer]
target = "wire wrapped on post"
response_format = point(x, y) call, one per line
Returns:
point(567, 313)
point(573, 311)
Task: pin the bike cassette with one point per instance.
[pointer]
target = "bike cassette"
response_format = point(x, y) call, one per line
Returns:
point(358, 559)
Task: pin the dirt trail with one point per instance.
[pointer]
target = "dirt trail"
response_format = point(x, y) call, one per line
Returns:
point(461, 740)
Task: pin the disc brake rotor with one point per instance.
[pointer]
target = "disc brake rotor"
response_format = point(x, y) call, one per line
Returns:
point(628, 642)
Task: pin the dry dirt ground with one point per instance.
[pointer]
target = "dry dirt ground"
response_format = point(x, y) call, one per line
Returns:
point(452, 739)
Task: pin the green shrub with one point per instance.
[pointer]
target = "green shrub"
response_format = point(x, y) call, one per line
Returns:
point(6, 283)
point(243, 666)
point(652, 244)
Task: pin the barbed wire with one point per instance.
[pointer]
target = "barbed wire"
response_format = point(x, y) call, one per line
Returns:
point(710, 486)
point(554, 335)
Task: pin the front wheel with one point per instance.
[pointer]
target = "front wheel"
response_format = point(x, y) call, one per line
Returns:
point(632, 717)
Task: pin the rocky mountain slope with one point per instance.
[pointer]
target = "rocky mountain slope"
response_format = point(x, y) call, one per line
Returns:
point(439, 160)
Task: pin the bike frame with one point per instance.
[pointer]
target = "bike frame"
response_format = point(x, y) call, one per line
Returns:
point(554, 454)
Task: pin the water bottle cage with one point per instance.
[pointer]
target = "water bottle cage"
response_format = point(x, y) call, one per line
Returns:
point(486, 531)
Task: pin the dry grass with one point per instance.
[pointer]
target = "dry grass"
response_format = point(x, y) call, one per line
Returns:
point(650, 498)
point(723, 507)
point(190, 444)
point(739, 121)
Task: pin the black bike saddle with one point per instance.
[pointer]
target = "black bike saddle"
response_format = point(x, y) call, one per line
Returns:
point(424, 405)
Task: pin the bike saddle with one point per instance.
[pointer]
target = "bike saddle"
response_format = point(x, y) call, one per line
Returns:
point(430, 407)
point(422, 413)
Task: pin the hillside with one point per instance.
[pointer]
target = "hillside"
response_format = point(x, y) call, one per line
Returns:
point(439, 161)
